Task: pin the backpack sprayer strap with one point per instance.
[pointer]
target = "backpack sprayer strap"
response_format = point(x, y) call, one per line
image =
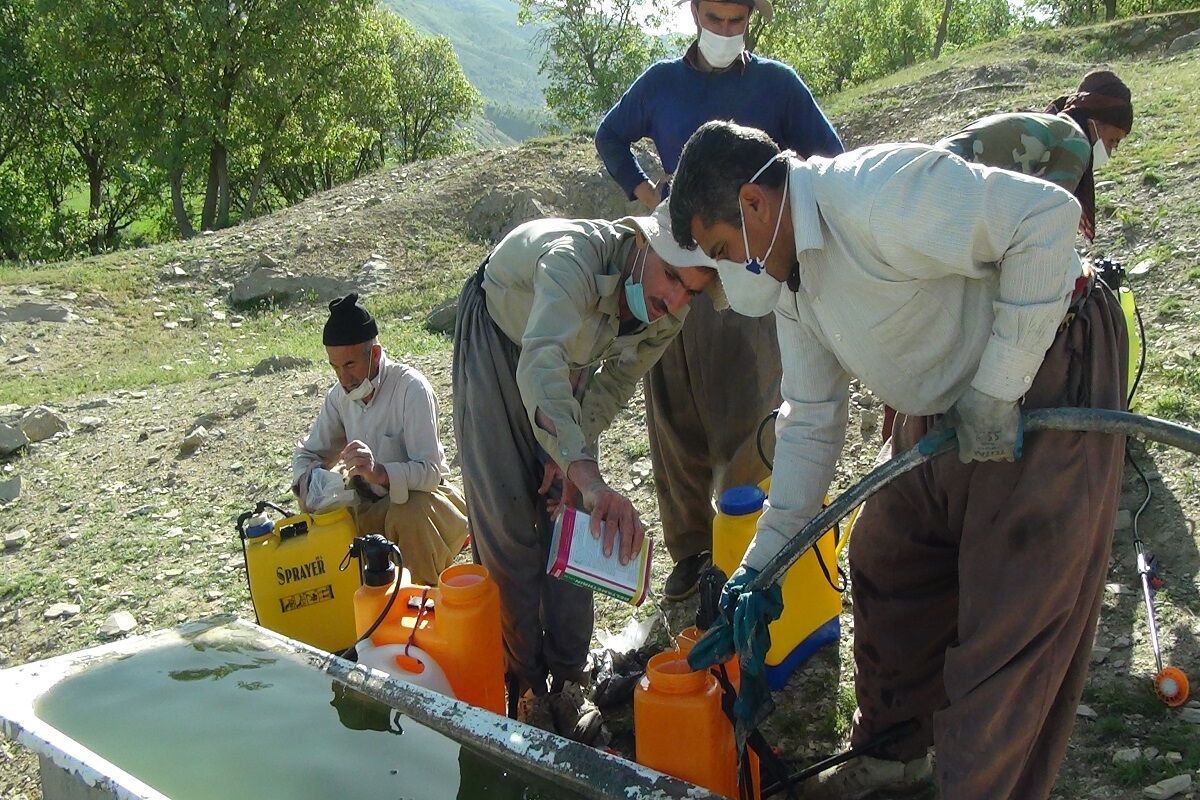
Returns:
point(755, 741)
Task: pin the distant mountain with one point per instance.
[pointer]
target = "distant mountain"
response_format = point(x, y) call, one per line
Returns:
point(499, 57)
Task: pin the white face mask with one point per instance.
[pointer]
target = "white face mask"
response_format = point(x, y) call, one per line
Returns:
point(720, 51)
point(749, 288)
point(363, 390)
point(751, 294)
point(1099, 150)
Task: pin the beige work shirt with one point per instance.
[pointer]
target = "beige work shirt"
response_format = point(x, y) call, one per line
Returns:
point(553, 287)
point(920, 275)
point(399, 424)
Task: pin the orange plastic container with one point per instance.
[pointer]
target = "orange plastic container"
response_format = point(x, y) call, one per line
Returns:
point(459, 627)
point(687, 639)
point(681, 730)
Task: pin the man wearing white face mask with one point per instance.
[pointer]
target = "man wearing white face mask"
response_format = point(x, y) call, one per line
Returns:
point(720, 378)
point(380, 420)
point(951, 291)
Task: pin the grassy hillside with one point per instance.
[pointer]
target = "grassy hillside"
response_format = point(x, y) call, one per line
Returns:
point(499, 56)
point(117, 518)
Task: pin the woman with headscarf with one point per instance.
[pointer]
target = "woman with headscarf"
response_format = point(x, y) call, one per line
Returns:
point(1077, 133)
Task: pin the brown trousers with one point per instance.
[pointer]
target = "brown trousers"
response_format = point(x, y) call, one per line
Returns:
point(977, 587)
point(430, 528)
point(704, 401)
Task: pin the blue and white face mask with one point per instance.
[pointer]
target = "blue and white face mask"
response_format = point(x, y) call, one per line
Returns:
point(635, 295)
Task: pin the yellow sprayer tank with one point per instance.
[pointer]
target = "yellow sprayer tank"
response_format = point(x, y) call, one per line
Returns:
point(810, 603)
point(295, 584)
point(1129, 309)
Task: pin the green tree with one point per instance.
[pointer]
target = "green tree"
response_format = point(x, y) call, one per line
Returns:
point(82, 79)
point(318, 123)
point(837, 43)
point(432, 95)
point(594, 49)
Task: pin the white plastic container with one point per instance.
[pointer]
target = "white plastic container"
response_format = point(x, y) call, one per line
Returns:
point(414, 666)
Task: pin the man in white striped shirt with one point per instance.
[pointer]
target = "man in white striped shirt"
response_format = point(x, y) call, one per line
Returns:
point(953, 289)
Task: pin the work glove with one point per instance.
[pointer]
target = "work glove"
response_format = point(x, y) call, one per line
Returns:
point(742, 628)
point(988, 428)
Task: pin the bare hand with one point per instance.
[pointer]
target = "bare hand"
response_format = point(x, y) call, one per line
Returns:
point(359, 459)
point(648, 195)
point(614, 517)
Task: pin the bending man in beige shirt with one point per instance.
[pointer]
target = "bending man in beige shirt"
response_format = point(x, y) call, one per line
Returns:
point(552, 335)
point(946, 288)
point(381, 421)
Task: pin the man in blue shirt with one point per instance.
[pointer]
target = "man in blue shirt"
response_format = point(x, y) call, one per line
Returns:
point(720, 376)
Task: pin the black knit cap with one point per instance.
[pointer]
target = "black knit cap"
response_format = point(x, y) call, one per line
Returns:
point(349, 323)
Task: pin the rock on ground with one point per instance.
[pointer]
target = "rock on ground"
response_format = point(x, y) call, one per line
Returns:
point(36, 312)
point(118, 624)
point(16, 539)
point(10, 490)
point(12, 439)
point(193, 441)
point(1168, 788)
point(441, 319)
point(61, 610)
point(271, 285)
point(1127, 756)
point(40, 423)
point(1183, 43)
point(278, 364)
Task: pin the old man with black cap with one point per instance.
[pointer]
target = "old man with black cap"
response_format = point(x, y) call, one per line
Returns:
point(380, 422)
point(553, 333)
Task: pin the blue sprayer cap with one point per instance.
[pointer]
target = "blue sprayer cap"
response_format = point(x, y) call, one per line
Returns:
point(741, 500)
point(259, 525)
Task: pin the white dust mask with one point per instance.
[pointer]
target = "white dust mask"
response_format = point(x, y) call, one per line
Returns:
point(749, 288)
point(720, 51)
point(362, 391)
point(751, 294)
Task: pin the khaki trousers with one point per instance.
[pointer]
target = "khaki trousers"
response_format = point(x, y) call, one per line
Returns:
point(430, 529)
point(977, 587)
point(705, 399)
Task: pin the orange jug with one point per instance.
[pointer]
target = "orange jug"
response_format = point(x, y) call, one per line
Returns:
point(687, 639)
point(457, 624)
point(681, 730)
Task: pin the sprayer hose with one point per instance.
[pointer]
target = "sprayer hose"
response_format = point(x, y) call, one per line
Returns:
point(1090, 420)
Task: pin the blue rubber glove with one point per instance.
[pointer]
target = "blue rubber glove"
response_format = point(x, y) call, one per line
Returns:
point(742, 628)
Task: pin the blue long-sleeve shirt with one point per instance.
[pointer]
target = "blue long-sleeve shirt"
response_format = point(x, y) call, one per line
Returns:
point(671, 99)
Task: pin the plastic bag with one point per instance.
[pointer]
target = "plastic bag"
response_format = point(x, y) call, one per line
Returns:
point(327, 491)
point(635, 634)
point(620, 661)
